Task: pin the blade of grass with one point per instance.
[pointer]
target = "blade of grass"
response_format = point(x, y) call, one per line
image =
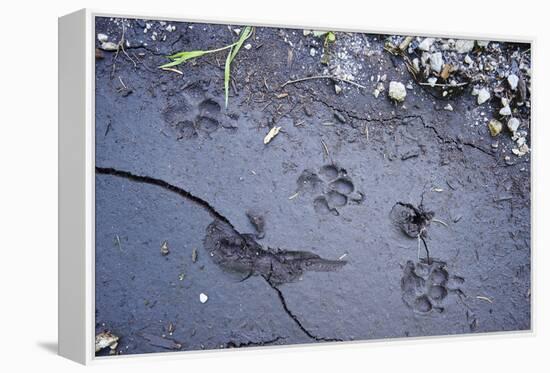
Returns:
point(193, 54)
point(227, 76)
point(181, 57)
point(245, 34)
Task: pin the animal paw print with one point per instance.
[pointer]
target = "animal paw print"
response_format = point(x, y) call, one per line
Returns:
point(189, 122)
point(426, 284)
point(332, 187)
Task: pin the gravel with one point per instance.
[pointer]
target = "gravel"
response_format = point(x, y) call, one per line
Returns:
point(464, 46)
point(513, 81)
point(102, 38)
point(436, 61)
point(513, 124)
point(495, 127)
point(483, 96)
point(109, 46)
point(397, 91)
point(426, 44)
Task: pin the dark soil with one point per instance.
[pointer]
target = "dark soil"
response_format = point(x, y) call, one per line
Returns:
point(299, 240)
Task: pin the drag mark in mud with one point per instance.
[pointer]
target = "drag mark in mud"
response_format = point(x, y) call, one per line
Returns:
point(241, 253)
point(332, 187)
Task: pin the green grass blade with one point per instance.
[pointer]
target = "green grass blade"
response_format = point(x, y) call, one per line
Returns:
point(245, 34)
point(193, 54)
point(227, 76)
point(181, 57)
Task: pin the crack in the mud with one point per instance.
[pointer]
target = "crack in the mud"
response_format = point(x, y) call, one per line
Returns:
point(444, 139)
point(163, 184)
point(217, 215)
point(295, 318)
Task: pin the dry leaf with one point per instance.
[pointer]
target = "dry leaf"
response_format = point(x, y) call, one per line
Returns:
point(271, 134)
point(446, 71)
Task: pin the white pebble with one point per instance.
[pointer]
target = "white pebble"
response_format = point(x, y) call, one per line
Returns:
point(397, 91)
point(109, 46)
point(505, 111)
point(513, 80)
point(482, 96)
point(102, 38)
point(203, 297)
point(426, 44)
point(513, 124)
point(436, 62)
point(432, 81)
point(448, 107)
point(464, 46)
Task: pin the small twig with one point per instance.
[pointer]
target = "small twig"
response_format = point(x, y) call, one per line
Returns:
point(294, 195)
point(440, 222)
point(325, 147)
point(444, 85)
point(172, 70)
point(323, 77)
point(486, 299)
point(121, 82)
point(118, 242)
point(420, 238)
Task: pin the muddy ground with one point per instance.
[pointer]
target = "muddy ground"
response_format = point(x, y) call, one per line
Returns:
point(362, 219)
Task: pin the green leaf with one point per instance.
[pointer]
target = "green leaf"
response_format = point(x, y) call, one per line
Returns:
point(331, 37)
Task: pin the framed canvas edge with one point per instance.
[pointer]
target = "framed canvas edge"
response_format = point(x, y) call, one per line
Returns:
point(88, 110)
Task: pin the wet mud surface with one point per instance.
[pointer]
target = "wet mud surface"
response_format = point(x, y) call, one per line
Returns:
point(362, 219)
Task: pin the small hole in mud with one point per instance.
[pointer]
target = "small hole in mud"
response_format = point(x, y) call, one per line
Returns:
point(411, 219)
point(336, 199)
point(437, 292)
point(185, 129)
point(422, 269)
point(209, 107)
point(309, 182)
point(207, 124)
point(176, 113)
point(342, 185)
point(422, 304)
point(329, 172)
point(439, 276)
point(320, 205)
